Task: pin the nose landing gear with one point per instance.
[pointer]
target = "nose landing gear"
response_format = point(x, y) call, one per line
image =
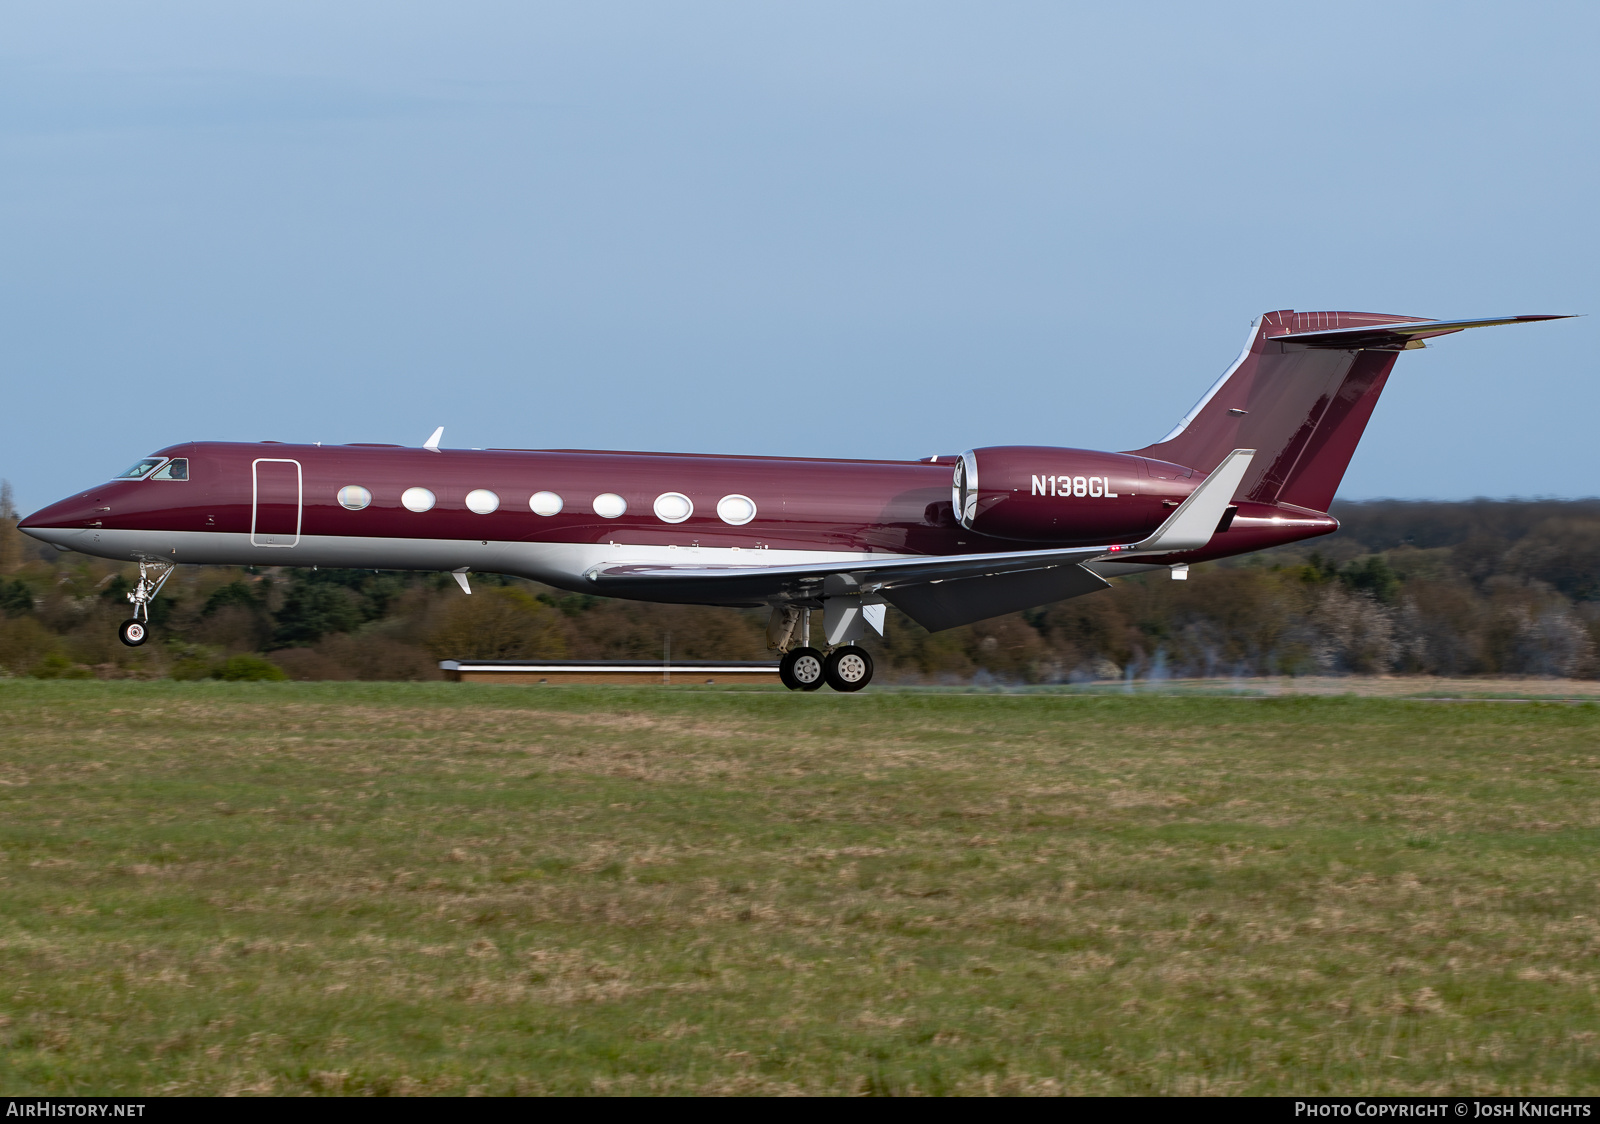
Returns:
point(152, 576)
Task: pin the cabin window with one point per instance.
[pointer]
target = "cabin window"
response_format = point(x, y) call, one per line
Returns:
point(482, 501)
point(736, 510)
point(173, 470)
point(138, 471)
point(353, 497)
point(417, 499)
point(545, 503)
point(673, 507)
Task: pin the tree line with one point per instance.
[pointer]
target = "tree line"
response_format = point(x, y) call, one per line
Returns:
point(1484, 587)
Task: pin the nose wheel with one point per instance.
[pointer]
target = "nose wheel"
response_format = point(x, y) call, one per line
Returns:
point(132, 633)
point(801, 669)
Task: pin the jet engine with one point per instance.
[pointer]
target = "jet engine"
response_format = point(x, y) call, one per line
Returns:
point(1037, 493)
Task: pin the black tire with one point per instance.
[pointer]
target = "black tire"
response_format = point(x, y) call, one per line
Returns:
point(133, 633)
point(848, 668)
point(802, 670)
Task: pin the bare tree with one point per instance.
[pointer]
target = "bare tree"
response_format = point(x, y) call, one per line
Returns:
point(10, 537)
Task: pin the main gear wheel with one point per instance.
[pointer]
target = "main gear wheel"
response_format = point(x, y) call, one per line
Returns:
point(848, 668)
point(801, 670)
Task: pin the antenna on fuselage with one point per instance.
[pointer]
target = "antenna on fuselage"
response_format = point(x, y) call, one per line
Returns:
point(432, 443)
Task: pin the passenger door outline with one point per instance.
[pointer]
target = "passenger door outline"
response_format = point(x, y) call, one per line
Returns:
point(263, 538)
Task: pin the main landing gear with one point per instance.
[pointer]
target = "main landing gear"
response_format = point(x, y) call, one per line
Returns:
point(804, 668)
point(152, 576)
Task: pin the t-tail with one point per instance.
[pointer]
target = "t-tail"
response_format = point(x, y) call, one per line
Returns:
point(1301, 392)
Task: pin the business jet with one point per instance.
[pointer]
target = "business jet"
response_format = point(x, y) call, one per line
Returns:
point(947, 540)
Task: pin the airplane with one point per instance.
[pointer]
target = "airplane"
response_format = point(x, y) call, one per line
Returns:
point(948, 540)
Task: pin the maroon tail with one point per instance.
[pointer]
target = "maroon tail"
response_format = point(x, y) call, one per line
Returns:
point(1303, 403)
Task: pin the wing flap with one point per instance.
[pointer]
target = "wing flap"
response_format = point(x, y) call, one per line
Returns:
point(948, 604)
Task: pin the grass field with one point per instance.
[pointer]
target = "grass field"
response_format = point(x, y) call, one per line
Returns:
point(391, 888)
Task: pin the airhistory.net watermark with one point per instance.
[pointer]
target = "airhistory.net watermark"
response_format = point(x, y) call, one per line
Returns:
point(51, 1109)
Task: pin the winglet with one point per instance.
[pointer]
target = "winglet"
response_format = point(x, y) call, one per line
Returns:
point(1192, 525)
point(432, 443)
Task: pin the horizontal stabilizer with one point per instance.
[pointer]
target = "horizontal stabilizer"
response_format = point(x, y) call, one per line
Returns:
point(1394, 337)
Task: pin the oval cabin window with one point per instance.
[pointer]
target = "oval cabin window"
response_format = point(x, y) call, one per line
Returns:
point(353, 497)
point(673, 507)
point(482, 501)
point(609, 505)
point(737, 510)
point(545, 503)
point(417, 499)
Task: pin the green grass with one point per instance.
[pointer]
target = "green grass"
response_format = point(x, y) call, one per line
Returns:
point(390, 888)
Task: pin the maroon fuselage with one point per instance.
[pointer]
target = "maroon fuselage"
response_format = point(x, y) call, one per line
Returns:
point(895, 507)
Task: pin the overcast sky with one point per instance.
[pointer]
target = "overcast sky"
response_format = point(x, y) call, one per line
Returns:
point(855, 229)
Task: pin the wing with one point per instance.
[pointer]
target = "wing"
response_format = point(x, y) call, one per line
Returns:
point(873, 573)
point(938, 591)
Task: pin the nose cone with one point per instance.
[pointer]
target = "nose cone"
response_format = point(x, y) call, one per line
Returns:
point(60, 522)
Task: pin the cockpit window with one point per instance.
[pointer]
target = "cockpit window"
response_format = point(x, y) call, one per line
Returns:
point(138, 471)
point(173, 470)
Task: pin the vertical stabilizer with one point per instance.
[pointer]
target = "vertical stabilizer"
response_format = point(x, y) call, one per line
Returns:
point(1301, 392)
point(1303, 406)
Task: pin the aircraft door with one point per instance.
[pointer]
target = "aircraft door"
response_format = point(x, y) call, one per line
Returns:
point(277, 495)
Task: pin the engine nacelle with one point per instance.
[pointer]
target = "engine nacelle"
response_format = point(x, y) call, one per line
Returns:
point(1037, 493)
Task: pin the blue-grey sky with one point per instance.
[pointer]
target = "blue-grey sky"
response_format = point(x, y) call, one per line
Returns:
point(852, 229)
